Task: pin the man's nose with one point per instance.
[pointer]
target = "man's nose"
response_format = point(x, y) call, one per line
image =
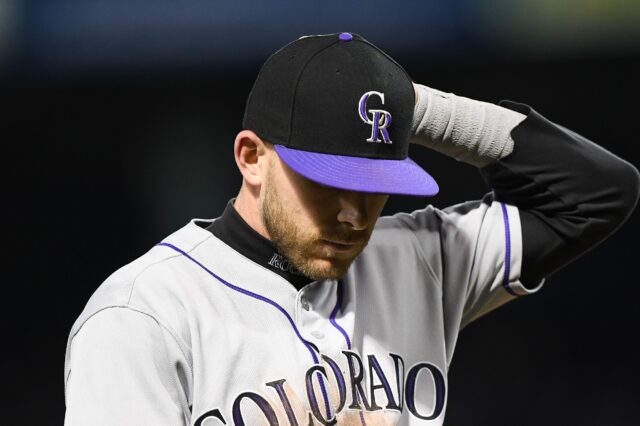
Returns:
point(353, 210)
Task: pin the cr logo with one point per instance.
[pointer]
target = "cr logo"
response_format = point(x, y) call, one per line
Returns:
point(379, 121)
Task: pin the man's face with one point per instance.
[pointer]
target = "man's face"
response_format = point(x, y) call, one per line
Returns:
point(319, 229)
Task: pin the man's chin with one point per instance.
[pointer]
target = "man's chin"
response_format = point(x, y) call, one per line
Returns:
point(325, 269)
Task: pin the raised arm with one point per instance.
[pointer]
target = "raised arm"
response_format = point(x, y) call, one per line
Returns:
point(570, 192)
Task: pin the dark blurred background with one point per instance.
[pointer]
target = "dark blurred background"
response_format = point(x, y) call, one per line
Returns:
point(118, 128)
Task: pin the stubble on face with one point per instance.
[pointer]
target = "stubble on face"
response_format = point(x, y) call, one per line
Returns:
point(303, 245)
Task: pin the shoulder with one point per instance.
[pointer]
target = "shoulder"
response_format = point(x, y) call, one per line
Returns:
point(152, 285)
point(431, 231)
point(431, 222)
point(427, 217)
point(410, 238)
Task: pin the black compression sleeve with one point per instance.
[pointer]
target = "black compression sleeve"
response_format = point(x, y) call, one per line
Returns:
point(571, 193)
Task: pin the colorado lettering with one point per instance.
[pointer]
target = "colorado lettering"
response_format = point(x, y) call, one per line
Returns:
point(390, 390)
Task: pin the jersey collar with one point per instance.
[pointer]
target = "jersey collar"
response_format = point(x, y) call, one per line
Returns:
point(232, 229)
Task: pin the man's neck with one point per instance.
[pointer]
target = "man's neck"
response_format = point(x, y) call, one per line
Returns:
point(237, 233)
point(247, 207)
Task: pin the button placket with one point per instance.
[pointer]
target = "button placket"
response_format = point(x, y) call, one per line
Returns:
point(313, 320)
point(306, 305)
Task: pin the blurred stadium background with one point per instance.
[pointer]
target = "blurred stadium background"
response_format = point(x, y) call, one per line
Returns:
point(118, 124)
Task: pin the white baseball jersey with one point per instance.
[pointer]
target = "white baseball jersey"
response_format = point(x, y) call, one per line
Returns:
point(194, 333)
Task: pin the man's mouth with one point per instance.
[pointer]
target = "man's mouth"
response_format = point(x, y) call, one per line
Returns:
point(341, 246)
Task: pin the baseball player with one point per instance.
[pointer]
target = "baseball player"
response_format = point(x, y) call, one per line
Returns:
point(299, 305)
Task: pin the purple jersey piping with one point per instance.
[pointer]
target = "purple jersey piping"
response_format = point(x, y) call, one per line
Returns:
point(332, 317)
point(247, 293)
point(507, 255)
point(332, 320)
point(263, 299)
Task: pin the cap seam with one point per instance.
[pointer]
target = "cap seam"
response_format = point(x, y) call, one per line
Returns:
point(404, 71)
point(350, 154)
point(276, 141)
point(262, 68)
point(295, 89)
point(394, 61)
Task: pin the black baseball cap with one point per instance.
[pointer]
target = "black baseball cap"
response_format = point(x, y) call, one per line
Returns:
point(338, 111)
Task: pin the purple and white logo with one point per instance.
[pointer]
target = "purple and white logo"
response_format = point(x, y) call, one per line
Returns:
point(379, 120)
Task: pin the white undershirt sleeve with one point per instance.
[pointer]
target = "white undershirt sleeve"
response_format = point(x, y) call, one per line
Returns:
point(474, 132)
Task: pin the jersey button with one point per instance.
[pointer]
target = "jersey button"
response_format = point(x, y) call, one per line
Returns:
point(305, 304)
point(317, 334)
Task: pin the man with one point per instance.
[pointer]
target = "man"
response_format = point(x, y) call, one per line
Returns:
point(299, 305)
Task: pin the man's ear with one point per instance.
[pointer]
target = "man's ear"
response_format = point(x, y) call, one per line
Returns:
point(252, 156)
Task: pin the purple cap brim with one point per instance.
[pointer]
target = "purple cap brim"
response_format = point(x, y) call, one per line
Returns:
point(378, 176)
